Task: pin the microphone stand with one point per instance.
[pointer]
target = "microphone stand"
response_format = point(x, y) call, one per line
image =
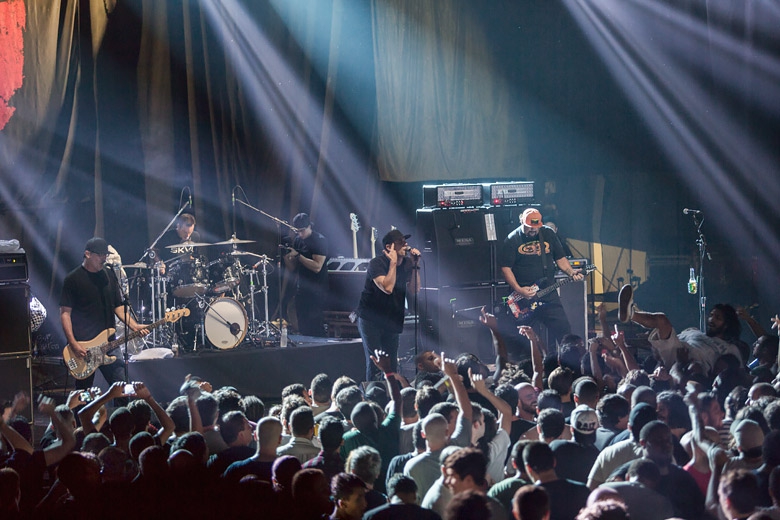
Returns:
point(152, 254)
point(126, 304)
point(279, 223)
point(701, 242)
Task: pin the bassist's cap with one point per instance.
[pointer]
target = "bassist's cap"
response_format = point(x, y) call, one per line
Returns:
point(97, 245)
point(531, 218)
point(393, 236)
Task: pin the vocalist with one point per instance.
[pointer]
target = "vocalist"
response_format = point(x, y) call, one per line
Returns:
point(381, 309)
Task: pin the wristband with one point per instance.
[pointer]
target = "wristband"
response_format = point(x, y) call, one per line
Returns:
point(389, 374)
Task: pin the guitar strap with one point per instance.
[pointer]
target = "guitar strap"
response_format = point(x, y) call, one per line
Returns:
point(543, 254)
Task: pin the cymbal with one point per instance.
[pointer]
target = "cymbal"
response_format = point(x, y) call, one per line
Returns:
point(189, 244)
point(234, 240)
point(239, 253)
point(137, 265)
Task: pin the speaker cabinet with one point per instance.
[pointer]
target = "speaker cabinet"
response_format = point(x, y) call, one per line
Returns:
point(346, 279)
point(458, 246)
point(15, 377)
point(15, 321)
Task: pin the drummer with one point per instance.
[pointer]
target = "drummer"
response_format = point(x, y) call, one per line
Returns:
point(184, 231)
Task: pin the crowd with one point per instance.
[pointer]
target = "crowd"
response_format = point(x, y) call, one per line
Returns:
point(585, 430)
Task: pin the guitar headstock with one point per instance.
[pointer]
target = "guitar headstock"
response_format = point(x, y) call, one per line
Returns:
point(174, 316)
point(355, 225)
point(374, 234)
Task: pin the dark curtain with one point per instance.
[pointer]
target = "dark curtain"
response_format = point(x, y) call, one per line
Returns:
point(322, 106)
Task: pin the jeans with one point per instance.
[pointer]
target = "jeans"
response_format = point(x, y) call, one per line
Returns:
point(377, 338)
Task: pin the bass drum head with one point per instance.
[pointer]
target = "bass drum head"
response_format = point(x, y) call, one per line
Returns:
point(225, 323)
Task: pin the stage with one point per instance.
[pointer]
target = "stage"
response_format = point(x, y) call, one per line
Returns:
point(251, 370)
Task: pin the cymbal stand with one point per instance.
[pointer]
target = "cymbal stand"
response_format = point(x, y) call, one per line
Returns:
point(266, 326)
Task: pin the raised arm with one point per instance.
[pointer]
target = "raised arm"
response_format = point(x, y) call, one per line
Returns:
point(165, 420)
point(382, 361)
point(503, 408)
point(755, 327)
point(537, 361)
point(86, 413)
point(620, 340)
point(458, 389)
point(54, 453)
point(499, 347)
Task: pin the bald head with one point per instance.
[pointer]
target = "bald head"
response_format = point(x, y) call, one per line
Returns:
point(269, 433)
point(435, 431)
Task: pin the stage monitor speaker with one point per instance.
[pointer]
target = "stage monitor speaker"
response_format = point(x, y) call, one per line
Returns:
point(15, 377)
point(15, 321)
point(458, 246)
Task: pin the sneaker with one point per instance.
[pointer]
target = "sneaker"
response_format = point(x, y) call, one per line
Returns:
point(625, 303)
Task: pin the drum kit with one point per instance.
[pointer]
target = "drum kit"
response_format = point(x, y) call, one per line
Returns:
point(218, 293)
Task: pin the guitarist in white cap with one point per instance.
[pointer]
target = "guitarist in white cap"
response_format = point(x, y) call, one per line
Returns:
point(529, 254)
point(90, 299)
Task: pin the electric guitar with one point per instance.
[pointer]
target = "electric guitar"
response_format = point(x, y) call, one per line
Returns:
point(82, 368)
point(355, 225)
point(523, 308)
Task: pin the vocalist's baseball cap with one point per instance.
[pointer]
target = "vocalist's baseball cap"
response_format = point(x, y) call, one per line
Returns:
point(531, 218)
point(393, 236)
point(97, 245)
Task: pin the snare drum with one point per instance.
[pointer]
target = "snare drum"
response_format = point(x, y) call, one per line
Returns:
point(189, 278)
point(225, 323)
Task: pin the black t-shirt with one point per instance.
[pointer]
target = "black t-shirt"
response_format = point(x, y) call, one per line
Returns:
point(573, 460)
point(92, 298)
point(385, 310)
point(566, 498)
point(172, 237)
point(309, 281)
point(522, 254)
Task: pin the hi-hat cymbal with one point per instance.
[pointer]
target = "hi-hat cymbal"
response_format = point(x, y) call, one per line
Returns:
point(189, 244)
point(234, 240)
point(239, 253)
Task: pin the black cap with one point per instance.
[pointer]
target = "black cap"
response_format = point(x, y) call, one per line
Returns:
point(97, 245)
point(393, 237)
point(301, 221)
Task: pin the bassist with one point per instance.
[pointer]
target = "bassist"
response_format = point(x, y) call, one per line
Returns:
point(90, 299)
point(529, 254)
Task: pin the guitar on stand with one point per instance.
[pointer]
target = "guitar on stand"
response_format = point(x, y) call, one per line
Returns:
point(374, 233)
point(354, 226)
point(523, 308)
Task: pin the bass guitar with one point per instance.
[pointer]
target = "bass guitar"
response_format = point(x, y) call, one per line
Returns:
point(523, 308)
point(82, 368)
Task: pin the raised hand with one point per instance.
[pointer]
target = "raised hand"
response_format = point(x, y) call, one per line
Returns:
point(382, 361)
point(528, 332)
point(141, 391)
point(478, 382)
point(449, 367)
point(488, 319)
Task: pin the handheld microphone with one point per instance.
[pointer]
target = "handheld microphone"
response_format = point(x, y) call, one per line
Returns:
point(687, 211)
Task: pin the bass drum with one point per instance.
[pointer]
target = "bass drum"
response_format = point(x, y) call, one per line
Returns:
point(225, 323)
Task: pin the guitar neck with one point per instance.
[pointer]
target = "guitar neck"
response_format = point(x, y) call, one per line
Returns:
point(111, 345)
point(354, 245)
point(547, 290)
